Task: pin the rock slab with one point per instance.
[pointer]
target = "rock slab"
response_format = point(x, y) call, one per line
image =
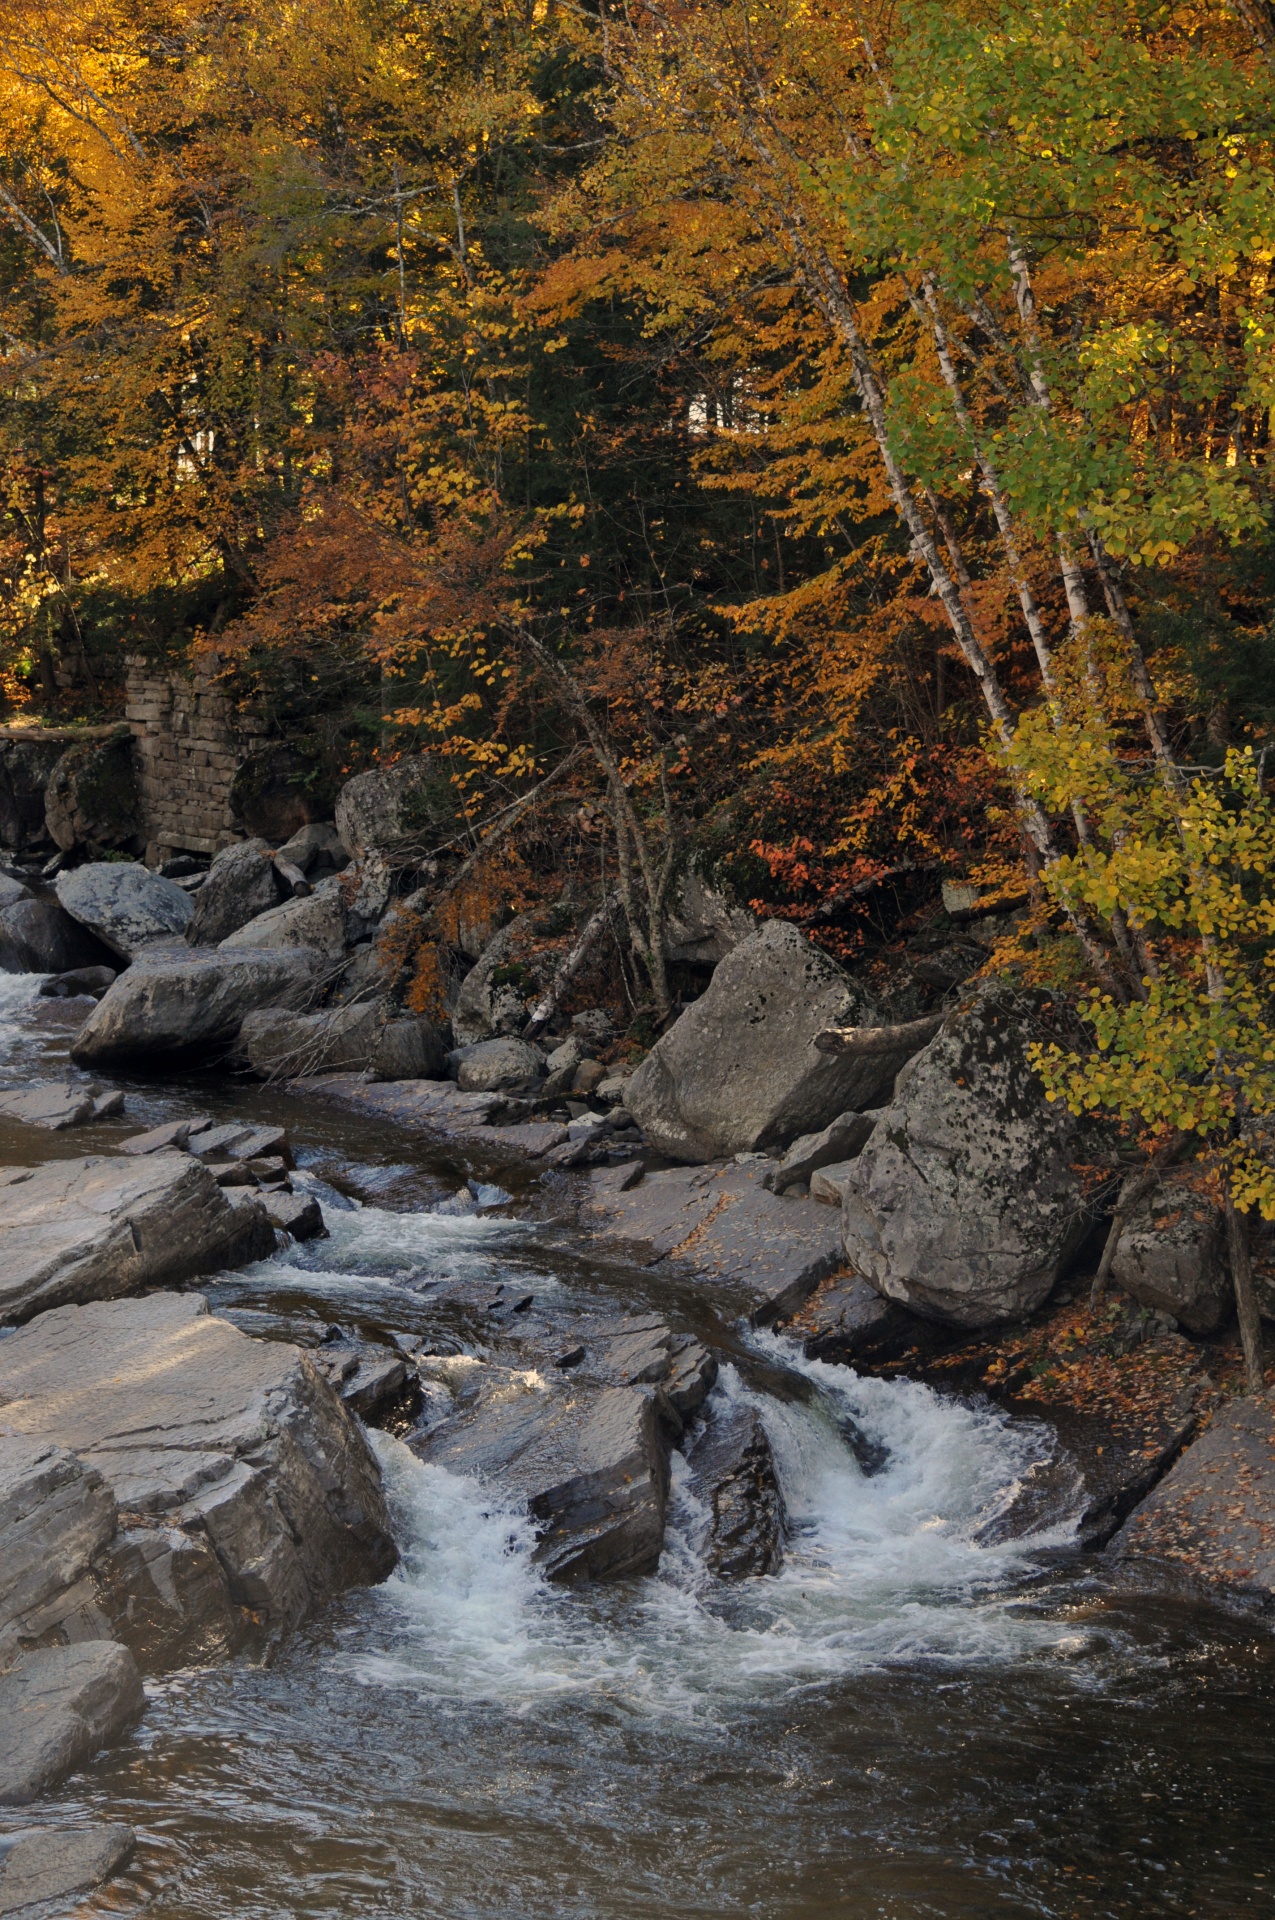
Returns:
point(1212, 1517)
point(721, 1225)
point(57, 1707)
point(99, 1228)
point(58, 1863)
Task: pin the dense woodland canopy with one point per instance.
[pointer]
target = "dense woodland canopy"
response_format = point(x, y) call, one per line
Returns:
point(843, 428)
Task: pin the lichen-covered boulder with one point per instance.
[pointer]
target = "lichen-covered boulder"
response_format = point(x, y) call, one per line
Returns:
point(92, 800)
point(702, 925)
point(397, 811)
point(124, 904)
point(1170, 1257)
point(515, 968)
point(241, 884)
point(740, 1072)
point(964, 1203)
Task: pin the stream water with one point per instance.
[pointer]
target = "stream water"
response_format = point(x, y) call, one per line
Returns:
point(903, 1723)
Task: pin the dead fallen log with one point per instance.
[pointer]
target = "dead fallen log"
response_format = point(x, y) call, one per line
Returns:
point(908, 1034)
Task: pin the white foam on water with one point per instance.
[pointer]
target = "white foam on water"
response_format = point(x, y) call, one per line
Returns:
point(18, 992)
point(881, 1569)
point(371, 1247)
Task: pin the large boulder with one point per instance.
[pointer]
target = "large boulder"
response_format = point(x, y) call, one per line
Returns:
point(964, 1204)
point(39, 936)
point(400, 811)
point(241, 884)
point(96, 1228)
point(124, 904)
point(316, 921)
point(354, 1039)
point(739, 1072)
point(1170, 1257)
point(92, 801)
point(243, 1491)
point(181, 1007)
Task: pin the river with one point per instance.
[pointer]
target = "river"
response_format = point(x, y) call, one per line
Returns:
point(904, 1723)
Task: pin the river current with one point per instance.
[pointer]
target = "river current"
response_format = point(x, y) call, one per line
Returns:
point(906, 1722)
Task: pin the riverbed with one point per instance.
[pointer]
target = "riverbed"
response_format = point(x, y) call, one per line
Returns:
point(917, 1717)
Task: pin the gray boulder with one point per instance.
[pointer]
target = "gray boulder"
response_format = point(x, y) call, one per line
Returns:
point(702, 926)
point(589, 1462)
point(238, 1479)
point(57, 1863)
point(92, 800)
point(57, 1707)
point(498, 994)
point(830, 1184)
point(241, 884)
point(842, 1139)
point(1171, 1257)
point(964, 1204)
point(398, 811)
point(124, 904)
point(12, 890)
point(354, 1039)
point(191, 1006)
point(739, 1072)
point(317, 922)
point(733, 1475)
point(97, 1228)
point(39, 936)
point(494, 1066)
point(316, 849)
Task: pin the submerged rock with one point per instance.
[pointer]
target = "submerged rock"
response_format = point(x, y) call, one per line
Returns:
point(733, 1473)
point(95, 1229)
point(237, 1481)
point(964, 1204)
point(740, 1071)
point(180, 1007)
point(124, 904)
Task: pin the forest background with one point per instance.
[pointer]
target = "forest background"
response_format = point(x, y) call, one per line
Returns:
point(828, 439)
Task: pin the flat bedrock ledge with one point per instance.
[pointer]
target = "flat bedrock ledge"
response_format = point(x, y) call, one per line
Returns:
point(99, 1228)
point(720, 1225)
point(173, 1484)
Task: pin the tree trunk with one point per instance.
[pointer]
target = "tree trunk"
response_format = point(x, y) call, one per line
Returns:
point(1245, 1297)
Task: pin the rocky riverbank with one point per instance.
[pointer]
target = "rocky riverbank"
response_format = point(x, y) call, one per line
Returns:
point(894, 1195)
